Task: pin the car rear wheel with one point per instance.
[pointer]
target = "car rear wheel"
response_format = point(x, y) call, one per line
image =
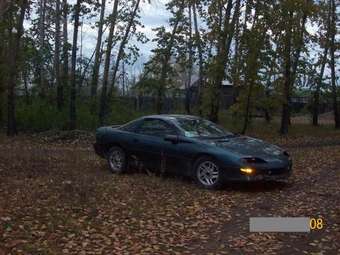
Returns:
point(116, 159)
point(207, 173)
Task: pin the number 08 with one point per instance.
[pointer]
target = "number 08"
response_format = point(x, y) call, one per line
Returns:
point(315, 223)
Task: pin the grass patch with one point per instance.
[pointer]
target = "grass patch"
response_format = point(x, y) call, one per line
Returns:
point(261, 128)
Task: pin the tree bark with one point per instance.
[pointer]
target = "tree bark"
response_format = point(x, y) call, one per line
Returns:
point(96, 66)
point(13, 59)
point(25, 80)
point(41, 35)
point(3, 68)
point(73, 92)
point(287, 77)
point(65, 72)
point(236, 62)
point(316, 97)
point(332, 65)
point(200, 58)
point(57, 57)
point(190, 66)
point(103, 98)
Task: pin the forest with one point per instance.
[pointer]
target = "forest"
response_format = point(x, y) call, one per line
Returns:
point(269, 51)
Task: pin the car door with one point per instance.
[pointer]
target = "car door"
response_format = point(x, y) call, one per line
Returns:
point(149, 143)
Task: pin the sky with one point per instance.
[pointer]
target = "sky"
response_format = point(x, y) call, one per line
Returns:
point(152, 15)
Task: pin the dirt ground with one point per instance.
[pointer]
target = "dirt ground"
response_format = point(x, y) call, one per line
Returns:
point(58, 197)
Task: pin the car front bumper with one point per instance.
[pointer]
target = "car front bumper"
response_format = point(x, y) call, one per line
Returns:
point(266, 173)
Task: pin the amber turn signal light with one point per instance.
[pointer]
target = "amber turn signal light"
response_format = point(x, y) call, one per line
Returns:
point(247, 170)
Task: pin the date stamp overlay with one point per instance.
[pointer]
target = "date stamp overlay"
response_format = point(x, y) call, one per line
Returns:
point(285, 224)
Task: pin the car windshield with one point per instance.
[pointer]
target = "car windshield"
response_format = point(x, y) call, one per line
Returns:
point(201, 128)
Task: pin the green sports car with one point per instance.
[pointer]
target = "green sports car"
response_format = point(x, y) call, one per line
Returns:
point(191, 146)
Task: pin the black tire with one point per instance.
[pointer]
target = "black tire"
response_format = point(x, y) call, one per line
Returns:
point(215, 183)
point(118, 164)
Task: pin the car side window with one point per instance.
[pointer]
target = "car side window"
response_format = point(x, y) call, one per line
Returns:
point(131, 126)
point(156, 127)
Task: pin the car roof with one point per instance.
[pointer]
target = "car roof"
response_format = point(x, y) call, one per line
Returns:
point(171, 116)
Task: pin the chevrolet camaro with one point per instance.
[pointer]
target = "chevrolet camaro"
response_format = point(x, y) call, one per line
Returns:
point(191, 146)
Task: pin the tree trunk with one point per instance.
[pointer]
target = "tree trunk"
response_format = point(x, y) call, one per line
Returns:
point(122, 46)
point(96, 66)
point(41, 35)
point(297, 52)
point(80, 58)
point(165, 62)
point(73, 92)
point(222, 57)
point(103, 98)
point(332, 65)
point(300, 45)
point(236, 62)
point(190, 67)
point(240, 43)
point(287, 78)
point(200, 59)
point(57, 57)
point(123, 71)
point(252, 68)
point(13, 59)
point(316, 97)
point(65, 72)
point(3, 69)
point(25, 80)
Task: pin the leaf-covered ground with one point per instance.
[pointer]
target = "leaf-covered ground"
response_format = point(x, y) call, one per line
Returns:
point(57, 197)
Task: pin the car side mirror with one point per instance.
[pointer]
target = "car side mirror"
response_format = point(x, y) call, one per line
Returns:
point(171, 138)
point(177, 139)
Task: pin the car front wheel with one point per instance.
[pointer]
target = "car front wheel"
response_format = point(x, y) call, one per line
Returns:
point(117, 160)
point(207, 173)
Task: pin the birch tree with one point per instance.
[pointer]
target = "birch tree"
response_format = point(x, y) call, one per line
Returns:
point(103, 99)
point(73, 112)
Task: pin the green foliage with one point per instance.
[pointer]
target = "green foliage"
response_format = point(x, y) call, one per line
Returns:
point(123, 111)
point(41, 115)
point(261, 101)
point(207, 98)
point(146, 86)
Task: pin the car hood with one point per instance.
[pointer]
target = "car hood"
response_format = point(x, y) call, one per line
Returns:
point(247, 146)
